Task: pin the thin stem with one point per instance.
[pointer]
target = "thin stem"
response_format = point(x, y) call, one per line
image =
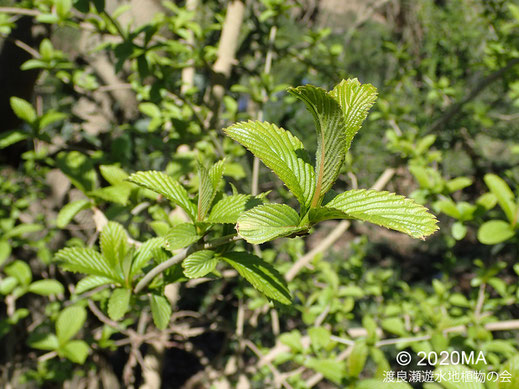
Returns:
point(180, 257)
point(480, 302)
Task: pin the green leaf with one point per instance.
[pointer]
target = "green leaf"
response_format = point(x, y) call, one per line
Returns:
point(448, 207)
point(145, 253)
point(160, 310)
point(180, 236)
point(5, 250)
point(86, 261)
point(357, 359)
point(91, 282)
point(448, 377)
point(114, 245)
point(394, 325)
point(69, 211)
point(63, 8)
point(209, 182)
point(260, 274)
point(495, 231)
point(21, 229)
point(50, 117)
point(119, 303)
point(387, 210)
point(379, 384)
point(505, 196)
point(7, 285)
point(355, 100)
point(19, 270)
point(229, 209)
point(166, 186)
point(458, 183)
point(75, 350)
point(113, 174)
point(458, 230)
point(118, 194)
point(280, 151)
point(511, 367)
point(199, 264)
point(319, 337)
point(9, 138)
point(330, 368)
point(79, 169)
point(268, 221)
point(69, 322)
point(46, 287)
point(43, 341)
point(23, 109)
point(332, 140)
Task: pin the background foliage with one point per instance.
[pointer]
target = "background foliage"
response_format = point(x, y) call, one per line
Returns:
point(93, 91)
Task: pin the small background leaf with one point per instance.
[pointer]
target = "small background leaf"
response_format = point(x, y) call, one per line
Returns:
point(69, 322)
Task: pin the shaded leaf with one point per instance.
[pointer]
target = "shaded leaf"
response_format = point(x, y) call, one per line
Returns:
point(145, 253)
point(119, 303)
point(43, 341)
point(160, 310)
point(260, 274)
point(387, 210)
point(229, 209)
point(268, 221)
point(9, 138)
point(280, 151)
point(79, 169)
point(199, 264)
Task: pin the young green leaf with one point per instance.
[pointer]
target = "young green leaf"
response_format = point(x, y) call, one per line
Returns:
point(199, 264)
point(387, 210)
point(19, 270)
point(495, 231)
point(91, 282)
point(46, 287)
point(119, 303)
point(331, 136)
point(67, 213)
point(166, 186)
point(268, 221)
point(355, 100)
point(280, 151)
point(145, 253)
point(113, 174)
point(357, 358)
point(114, 245)
point(160, 310)
point(330, 368)
point(23, 109)
point(180, 236)
point(75, 350)
point(86, 261)
point(43, 341)
point(260, 274)
point(229, 209)
point(69, 322)
point(505, 196)
point(209, 182)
